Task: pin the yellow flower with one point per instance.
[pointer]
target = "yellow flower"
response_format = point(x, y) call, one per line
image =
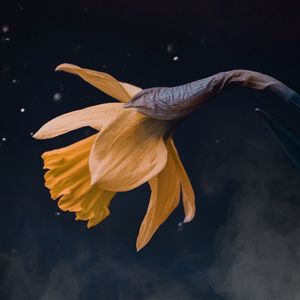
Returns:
point(134, 145)
point(129, 150)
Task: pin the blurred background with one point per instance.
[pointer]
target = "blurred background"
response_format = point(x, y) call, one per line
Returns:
point(244, 242)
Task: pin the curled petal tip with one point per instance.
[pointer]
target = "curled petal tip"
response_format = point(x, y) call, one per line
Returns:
point(93, 180)
point(59, 67)
point(187, 219)
point(41, 135)
point(139, 248)
point(37, 136)
point(64, 66)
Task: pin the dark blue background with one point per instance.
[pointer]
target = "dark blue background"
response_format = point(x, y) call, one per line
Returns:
point(244, 242)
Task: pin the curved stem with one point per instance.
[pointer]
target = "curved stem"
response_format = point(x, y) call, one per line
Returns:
point(176, 102)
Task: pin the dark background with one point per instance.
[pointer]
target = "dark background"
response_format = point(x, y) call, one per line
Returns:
point(244, 242)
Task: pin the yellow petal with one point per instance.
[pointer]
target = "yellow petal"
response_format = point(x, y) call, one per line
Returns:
point(93, 116)
point(132, 90)
point(188, 196)
point(69, 180)
point(128, 151)
point(102, 81)
point(165, 193)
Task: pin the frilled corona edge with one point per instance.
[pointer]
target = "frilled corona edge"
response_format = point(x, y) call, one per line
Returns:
point(68, 180)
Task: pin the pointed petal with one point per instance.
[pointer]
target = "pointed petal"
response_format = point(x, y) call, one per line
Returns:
point(68, 180)
point(188, 196)
point(93, 116)
point(101, 81)
point(165, 193)
point(128, 152)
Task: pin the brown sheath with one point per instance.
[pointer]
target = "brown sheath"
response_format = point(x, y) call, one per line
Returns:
point(171, 103)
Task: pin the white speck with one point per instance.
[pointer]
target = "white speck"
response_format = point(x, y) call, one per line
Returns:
point(175, 58)
point(22, 110)
point(15, 81)
point(57, 97)
point(4, 40)
point(171, 48)
point(31, 133)
point(179, 226)
point(217, 141)
point(77, 48)
point(57, 213)
point(202, 41)
point(5, 69)
point(20, 6)
point(3, 139)
point(5, 29)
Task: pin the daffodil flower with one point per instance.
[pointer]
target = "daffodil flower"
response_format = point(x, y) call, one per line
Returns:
point(133, 145)
point(129, 150)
